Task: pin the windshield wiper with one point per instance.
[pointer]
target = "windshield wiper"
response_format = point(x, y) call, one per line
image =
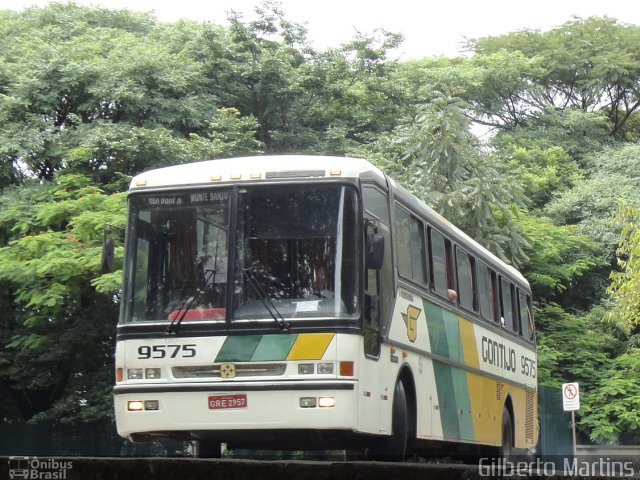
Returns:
point(266, 301)
point(184, 308)
point(182, 312)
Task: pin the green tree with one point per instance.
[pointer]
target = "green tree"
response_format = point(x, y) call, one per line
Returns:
point(438, 158)
point(586, 64)
point(544, 172)
point(559, 257)
point(624, 288)
point(573, 347)
point(612, 412)
point(110, 152)
point(57, 330)
point(613, 175)
point(69, 68)
point(580, 134)
point(303, 100)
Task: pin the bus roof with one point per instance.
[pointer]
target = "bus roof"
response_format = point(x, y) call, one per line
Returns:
point(254, 168)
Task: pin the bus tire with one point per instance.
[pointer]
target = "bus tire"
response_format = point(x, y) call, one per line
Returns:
point(506, 449)
point(394, 447)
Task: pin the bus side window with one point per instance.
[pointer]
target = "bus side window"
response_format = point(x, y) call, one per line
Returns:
point(441, 265)
point(506, 302)
point(379, 283)
point(403, 242)
point(410, 242)
point(466, 280)
point(487, 292)
point(526, 318)
point(418, 253)
point(376, 202)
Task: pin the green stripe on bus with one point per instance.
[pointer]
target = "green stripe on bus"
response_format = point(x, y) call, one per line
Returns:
point(463, 404)
point(273, 347)
point(451, 382)
point(437, 330)
point(238, 348)
point(446, 400)
point(453, 401)
point(452, 328)
point(444, 332)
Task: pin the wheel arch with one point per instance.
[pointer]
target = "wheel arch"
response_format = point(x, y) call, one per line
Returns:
point(508, 405)
point(405, 375)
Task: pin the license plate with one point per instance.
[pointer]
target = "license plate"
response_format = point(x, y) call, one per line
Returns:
point(220, 402)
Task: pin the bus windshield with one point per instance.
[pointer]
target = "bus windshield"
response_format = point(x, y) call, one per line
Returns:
point(300, 247)
point(294, 249)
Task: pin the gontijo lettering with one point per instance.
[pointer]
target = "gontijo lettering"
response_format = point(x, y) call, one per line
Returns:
point(498, 354)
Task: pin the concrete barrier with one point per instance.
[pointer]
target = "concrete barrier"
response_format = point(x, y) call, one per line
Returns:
point(615, 453)
point(83, 468)
point(74, 468)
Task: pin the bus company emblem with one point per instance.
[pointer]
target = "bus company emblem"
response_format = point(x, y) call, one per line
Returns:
point(411, 321)
point(227, 370)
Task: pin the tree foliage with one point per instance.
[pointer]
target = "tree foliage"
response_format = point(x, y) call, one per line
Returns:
point(615, 416)
point(624, 288)
point(613, 175)
point(558, 256)
point(437, 157)
point(56, 328)
point(586, 64)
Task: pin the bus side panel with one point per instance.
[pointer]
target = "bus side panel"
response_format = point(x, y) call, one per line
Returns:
point(485, 405)
point(464, 377)
point(409, 327)
point(517, 365)
point(525, 415)
point(351, 348)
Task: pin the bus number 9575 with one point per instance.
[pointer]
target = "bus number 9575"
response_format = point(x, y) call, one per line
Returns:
point(146, 352)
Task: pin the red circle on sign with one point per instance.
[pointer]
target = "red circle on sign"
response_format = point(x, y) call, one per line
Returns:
point(570, 392)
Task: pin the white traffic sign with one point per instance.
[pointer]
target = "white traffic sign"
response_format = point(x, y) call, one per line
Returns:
point(570, 397)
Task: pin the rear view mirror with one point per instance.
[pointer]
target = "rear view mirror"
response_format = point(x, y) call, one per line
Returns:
point(374, 254)
point(108, 251)
point(109, 246)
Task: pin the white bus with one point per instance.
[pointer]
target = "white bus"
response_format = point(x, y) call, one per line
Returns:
point(305, 302)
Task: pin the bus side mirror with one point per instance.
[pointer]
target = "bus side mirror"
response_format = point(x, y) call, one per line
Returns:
point(374, 254)
point(109, 246)
point(108, 251)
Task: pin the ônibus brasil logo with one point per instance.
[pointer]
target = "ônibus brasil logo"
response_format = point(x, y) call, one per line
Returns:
point(34, 468)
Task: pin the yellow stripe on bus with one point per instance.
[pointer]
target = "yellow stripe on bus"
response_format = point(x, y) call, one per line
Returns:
point(481, 390)
point(469, 345)
point(310, 346)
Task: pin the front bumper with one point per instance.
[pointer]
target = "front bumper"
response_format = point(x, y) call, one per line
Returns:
point(184, 408)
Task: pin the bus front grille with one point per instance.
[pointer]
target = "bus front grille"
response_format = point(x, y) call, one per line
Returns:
point(239, 370)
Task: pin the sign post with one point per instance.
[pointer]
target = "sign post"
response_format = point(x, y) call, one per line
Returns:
point(571, 403)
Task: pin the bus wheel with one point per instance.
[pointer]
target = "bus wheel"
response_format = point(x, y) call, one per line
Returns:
point(394, 447)
point(506, 450)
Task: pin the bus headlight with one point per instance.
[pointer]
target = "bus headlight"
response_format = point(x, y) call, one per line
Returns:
point(308, 402)
point(152, 373)
point(134, 373)
point(325, 368)
point(305, 368)
point(327, 402)
point(135, 405)
point(140, 405)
